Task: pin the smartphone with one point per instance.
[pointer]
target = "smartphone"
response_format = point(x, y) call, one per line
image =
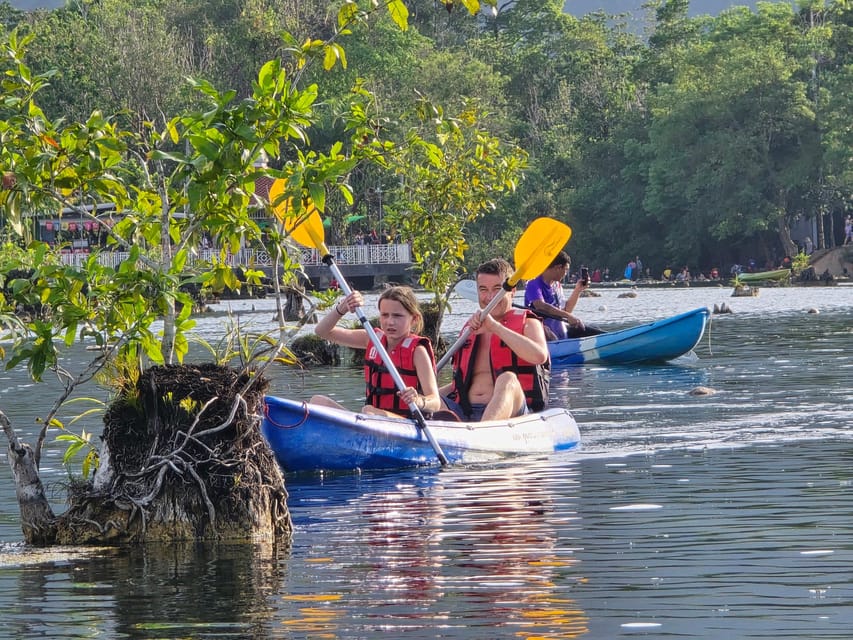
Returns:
point(585, 276)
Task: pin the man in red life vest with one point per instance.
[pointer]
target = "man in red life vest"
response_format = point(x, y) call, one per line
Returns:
point(502, 369)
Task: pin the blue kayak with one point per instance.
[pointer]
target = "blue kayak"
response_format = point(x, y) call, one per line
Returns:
point(657, 341)
point(306, 437)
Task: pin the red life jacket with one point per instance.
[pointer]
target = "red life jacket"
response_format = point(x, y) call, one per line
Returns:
point(534, 379)
point(381, 390)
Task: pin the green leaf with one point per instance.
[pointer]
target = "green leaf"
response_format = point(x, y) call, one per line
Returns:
point(153, 350)
point(399, 14)
point(318, 196)
point(165, 155)
point(267, 75)
point(330, 57)
point(71, 451)
point(179, 260)
point(347, 13)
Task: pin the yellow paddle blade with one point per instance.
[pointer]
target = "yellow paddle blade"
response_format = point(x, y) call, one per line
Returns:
point(305, 228)
point(308, 231)
point(279, 207)
point(540, 243)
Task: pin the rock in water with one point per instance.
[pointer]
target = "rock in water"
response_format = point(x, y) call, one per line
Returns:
point(702, 391)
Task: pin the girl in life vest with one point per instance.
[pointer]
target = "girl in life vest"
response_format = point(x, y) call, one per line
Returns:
point(400, 320)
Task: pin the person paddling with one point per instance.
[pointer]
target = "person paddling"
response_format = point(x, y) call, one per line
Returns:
point(400, 320)
point(502, 370)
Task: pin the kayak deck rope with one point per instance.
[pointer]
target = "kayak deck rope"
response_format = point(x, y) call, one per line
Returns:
point(286, 426)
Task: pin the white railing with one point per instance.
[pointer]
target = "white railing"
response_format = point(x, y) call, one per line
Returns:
point(361, 254)
point(343, 254)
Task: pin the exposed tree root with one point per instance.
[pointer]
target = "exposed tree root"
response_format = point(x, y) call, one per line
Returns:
point(182, 459)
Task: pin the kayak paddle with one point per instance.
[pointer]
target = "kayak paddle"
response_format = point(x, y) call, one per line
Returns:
point(468, 289)
point(308, 230)
point(540, 243)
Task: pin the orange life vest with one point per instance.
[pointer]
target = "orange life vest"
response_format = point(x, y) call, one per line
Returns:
point(381, 390)
point(534, 379)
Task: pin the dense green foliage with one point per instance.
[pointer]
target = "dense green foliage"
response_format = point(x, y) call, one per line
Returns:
point(701, 141)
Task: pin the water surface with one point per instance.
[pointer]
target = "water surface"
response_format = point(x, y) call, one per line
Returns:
point(723, 515)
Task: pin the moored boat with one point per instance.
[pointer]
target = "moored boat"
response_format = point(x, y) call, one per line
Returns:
point(764, 276)
point(307, 437)
point(656, 341)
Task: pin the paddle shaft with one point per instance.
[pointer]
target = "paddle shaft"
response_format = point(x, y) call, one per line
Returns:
point(467, 331)
point(464, 290)
point(371, 333)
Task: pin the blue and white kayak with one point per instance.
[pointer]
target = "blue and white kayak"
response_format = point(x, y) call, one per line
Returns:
point(657, 341)
point(307, 437)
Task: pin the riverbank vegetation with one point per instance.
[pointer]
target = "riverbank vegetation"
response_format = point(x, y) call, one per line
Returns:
point(692, 140)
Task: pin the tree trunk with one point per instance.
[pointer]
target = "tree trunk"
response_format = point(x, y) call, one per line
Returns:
point(821, 237)
point(294, 310)
point(784, 232)
point(433, 314)
point(37, 520)
point(182, 460)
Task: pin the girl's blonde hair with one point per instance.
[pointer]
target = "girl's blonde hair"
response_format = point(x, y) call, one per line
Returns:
point(406, 297)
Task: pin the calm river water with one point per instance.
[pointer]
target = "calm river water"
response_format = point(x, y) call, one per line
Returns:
point(720, 516)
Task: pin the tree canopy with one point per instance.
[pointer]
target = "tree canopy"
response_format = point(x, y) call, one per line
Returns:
point(702, 140)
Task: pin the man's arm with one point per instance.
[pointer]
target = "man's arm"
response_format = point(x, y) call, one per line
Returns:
point(553, 312)
point(575, 296)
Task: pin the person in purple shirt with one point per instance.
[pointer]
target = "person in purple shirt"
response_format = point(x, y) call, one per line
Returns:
point(544, 295)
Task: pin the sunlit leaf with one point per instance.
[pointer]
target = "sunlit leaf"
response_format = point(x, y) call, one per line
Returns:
point(399, 13)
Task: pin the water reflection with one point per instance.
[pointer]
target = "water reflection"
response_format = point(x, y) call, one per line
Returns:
point(742, 543)
point(471, 550)
point(156, 592)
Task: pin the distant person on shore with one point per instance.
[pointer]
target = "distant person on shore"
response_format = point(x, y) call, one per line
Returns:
point(848, 230)
point(502, 369)
point(400, 320)
point(544, 295)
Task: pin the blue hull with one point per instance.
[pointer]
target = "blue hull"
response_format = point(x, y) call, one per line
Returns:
point(307, 437)
point(657, 341)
